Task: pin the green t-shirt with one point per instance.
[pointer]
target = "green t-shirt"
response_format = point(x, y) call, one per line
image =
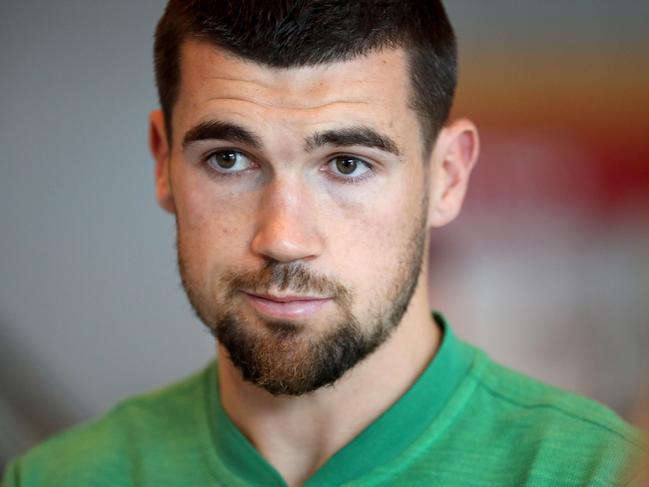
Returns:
point(466, 422)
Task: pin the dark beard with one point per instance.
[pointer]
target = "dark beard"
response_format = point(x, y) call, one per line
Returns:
point(277, 356)
point(283, 363)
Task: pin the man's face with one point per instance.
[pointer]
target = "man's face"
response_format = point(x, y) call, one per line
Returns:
point(301, 204)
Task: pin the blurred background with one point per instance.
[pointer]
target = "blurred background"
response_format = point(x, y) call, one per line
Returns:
point(547, 268)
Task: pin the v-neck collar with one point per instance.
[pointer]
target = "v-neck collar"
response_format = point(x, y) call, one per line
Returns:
point(384, 439)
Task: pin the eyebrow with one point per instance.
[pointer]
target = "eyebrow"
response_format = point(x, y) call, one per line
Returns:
point(364, 136)
point(350, 136)
point(219, 130)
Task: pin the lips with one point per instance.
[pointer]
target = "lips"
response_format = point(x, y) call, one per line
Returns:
point(286, 307)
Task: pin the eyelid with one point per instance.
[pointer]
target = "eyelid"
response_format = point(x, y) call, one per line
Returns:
point(225, 172)
point(219, 150)
point(370, 166)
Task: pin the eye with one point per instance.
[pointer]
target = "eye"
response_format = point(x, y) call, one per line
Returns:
point(229, 161)
point(348, 167)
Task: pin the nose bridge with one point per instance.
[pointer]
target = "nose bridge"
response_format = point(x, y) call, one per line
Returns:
point(284, 194)
point(286, 224)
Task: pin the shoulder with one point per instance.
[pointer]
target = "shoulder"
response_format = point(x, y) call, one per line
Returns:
point(558, 432)
point(514, 391)
point(106, 451)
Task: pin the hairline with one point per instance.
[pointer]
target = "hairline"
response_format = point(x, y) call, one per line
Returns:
point(427, 143)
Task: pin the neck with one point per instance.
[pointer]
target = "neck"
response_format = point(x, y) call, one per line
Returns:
point(298, 434)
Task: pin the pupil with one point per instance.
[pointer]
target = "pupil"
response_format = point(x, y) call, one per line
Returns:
point(346, 166)
point(227, 159)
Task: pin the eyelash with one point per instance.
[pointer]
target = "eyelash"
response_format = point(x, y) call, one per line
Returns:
point(351, 179)
point(224, 174)
point(345, 180)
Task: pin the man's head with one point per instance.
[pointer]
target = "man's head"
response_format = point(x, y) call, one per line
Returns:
point(294, 33)
point(297, 177)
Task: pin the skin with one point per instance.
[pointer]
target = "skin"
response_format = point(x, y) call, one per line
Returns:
point(292, 206)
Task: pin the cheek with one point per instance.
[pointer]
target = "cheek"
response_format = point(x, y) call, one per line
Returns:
point(372, 239)
point(212, 226)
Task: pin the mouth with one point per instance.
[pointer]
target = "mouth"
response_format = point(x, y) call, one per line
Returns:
point(286, 307)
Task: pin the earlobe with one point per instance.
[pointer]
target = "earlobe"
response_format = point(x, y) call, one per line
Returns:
point(453, 159)
point(159, 147)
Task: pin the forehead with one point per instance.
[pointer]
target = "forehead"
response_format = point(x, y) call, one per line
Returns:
point(372, 89)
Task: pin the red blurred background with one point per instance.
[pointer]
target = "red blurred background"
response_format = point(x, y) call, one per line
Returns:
point(548, 266)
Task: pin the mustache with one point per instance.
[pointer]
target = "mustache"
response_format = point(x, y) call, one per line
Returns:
point(286, 276)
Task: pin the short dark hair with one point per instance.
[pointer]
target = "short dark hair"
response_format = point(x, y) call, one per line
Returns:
point(293, 33)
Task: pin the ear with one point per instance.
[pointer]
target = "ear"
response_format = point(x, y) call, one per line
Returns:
point(158, 143)
point(455, 154)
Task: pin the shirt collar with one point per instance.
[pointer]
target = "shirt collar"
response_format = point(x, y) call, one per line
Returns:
point(387, 437)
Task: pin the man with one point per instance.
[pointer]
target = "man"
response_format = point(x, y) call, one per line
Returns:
point(304, 150)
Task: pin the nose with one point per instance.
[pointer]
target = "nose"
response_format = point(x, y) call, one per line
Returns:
point(286, 223)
